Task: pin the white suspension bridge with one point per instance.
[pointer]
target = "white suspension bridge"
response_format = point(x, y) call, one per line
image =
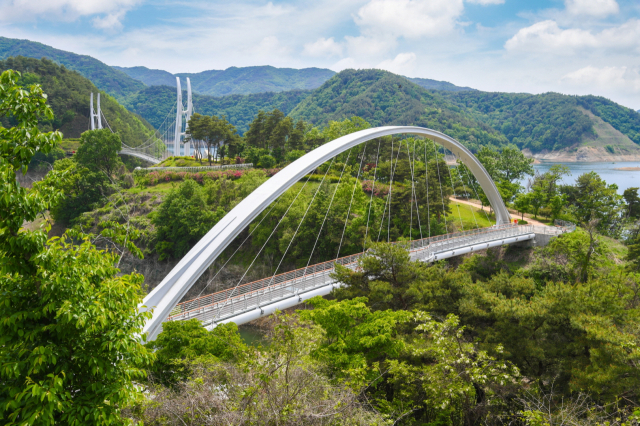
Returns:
point(168, 139)
point(246, 301)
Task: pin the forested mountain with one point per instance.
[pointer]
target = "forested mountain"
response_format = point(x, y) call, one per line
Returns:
point(68, 95)
point(149, 77)
point(155, 102)
point(383, 98)
point(112, 81)
point(427, 83)
point(549, 121)
point(236, 80)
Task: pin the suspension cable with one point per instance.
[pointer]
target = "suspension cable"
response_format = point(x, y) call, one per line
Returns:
point(327, 213)
point(444, 210)
point(444, 152)
point(468, 205)
point(413, 190)
point(426, 178)
point(373, 190)
point(302, 220)
point(476, 192)
point(351, 202)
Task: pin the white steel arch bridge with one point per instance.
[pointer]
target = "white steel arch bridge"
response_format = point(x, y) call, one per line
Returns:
point(244, 303)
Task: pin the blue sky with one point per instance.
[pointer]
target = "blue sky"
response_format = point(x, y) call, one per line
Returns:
point(536, 46)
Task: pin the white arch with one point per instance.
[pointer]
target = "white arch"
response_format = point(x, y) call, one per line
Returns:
point(174, 286)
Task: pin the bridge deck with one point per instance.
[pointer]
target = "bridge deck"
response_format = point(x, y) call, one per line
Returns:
point(232, 302)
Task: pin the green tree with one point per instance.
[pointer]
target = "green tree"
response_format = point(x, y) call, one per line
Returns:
point(592, 199)
point(98, 151)
point(69, 345)
point(214, 131)
point(522, 204)
point(82, 189)
point(630, 195)
point(182, 219)
point(182, 343)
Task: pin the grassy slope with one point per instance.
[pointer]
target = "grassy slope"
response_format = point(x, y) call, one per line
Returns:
point(112, 81)
point(69, 94)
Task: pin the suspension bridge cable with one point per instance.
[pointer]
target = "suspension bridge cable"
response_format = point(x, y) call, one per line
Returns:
point(237, 249)
point(476, 192)
point(444, 210)
point(388, 200)
point(327, 213)
point(302, 220)
point(462, 182)
point(373, 189)
point(426, 178)
point(453, 187)
point(268, 238)
point(413, 190)
point(351, 202)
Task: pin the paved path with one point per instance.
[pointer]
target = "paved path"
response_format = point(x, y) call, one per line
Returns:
point(486, 208)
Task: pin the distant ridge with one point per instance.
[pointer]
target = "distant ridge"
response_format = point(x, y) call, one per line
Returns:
point(429, 84)
point(234, 80)
point(112, 81)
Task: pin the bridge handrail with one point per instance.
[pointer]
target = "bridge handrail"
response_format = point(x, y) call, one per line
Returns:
point(194, 169)
point(440, 243)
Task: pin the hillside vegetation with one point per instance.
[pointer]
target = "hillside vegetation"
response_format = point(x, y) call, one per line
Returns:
point(383, 98)
point(112, 81)
point(549, 121)
point(155, 102)
point(68, 95)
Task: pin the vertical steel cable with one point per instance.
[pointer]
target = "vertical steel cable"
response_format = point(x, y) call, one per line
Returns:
point(302, 220)
point(373, 190)
point(444, 210)
point(444, 151)
point(327, 213)
point(426, 178)
point(351, 202)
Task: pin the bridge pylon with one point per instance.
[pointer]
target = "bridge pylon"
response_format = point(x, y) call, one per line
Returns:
point(96, 117)
point(182, 125)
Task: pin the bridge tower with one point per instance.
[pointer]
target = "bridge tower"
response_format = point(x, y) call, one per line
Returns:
point(96, 117)
point(181, 126)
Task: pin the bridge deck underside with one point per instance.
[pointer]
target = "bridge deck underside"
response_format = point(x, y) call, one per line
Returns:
point(227, 304)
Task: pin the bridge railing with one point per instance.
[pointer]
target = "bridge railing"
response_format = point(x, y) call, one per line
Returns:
point(195, 169)
point(268, 289)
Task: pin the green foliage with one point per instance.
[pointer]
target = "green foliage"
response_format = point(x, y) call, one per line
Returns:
point(98, 151)
point(182, 219)
point(549, 121)
point(69, 348)
point(215, 133)
point(626, 120)
point(82, 189)
point(114, 82)
point(153, 104)
point(591, 199)
point(185, 342)
point(382, 98)
point(42, 161)
point(68, 96)
point(632, 199)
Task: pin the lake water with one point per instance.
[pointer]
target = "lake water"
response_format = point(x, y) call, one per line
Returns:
point(623, 178)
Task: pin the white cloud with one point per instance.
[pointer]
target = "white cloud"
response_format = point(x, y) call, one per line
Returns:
point(323, 47)
point(597, 8)
point(409, 18)
point(486, 2)
point(548, 37)
point(363, 46)
point(112, 21)
point(65, 10)
point(621, 79)
point(403, 63)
